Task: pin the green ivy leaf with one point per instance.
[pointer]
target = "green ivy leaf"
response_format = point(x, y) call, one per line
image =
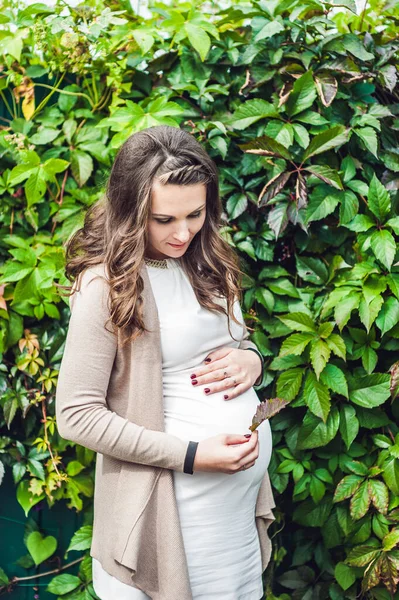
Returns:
point(369, 137)
point(379, 201)
point(314, 433)
point(236, 205)
point(198, 38)
point(252, 111)
point(289, 384)
point(298, 322)
point(269, 30)
point(345, 575)
point(319, 355)
point(391, 475)
point(81, 166)
point(81, 539)
point(334, 378)
point(344, 309)
point(384, 247)
point(369, 391)
point(63, 584)
point(295, 344)
point(266, 298)
point(302, 96)
point(368, 311)
point(331, 138)
point(40, 548)
point(388, 315)
point(323, 201)
point(337, 345)
point(317, 397)
point(348, 425)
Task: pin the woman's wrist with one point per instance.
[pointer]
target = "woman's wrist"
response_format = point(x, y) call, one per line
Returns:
point(190, 457)
point(260, 378)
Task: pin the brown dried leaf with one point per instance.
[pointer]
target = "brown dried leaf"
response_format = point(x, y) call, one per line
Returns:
point(394, 384)
point(267, 409)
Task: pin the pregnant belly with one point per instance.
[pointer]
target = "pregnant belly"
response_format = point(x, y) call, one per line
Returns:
point(192, 414)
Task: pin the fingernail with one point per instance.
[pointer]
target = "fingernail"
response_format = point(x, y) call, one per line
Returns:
point(207, 390)
point(225, 396)
point(207, 360)
point(194, 382)
point(247, 435)
point(193, 376)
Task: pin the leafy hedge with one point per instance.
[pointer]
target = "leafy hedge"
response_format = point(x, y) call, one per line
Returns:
point(296, 101)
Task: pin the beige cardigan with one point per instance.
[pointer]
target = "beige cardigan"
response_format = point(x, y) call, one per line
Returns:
point(110, 400)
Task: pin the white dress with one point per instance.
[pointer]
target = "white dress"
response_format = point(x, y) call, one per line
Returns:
point(216, 510)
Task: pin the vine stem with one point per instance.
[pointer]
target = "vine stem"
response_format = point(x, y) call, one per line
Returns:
point(7, 105)
point(47, 98)
point(55, 89)
point(18, 579)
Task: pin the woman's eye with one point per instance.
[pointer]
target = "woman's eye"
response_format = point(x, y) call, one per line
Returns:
point(195, 216)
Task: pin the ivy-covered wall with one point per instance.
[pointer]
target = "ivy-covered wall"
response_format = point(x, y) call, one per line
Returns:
point(297, 102)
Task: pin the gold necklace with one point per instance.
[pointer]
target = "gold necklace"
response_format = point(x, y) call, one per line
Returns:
point(160, 263)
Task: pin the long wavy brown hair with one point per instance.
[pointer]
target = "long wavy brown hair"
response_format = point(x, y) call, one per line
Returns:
point(115, 228)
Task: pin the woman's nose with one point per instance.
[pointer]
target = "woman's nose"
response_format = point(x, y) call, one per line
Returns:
point(182, 234)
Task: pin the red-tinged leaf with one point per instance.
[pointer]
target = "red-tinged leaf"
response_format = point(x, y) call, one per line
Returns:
point(301, 192)
point(277, 218)
point(391, 539)
point(360, 556)
point(372, 575)
point(347, 487)
point(389, 573)
point(394, 383)
point(265, 146)
point(326, 86)
point(379, 495)
point(360, 502)
point(326, 174)
point(267, 409)
point(272, 188)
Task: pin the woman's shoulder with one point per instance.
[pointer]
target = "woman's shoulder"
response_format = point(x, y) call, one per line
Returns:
point(91, 283)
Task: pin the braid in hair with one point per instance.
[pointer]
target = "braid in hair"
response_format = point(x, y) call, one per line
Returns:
point(178, 173)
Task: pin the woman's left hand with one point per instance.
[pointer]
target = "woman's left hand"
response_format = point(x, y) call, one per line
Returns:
point(241, 367)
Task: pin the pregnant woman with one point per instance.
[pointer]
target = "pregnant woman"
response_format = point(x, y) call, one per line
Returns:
point(182, 496)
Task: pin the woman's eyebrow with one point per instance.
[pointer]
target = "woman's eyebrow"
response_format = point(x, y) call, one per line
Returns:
point(171, 216)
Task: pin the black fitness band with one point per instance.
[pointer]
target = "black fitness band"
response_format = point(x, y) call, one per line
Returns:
point(190, 456)
point(261, 360)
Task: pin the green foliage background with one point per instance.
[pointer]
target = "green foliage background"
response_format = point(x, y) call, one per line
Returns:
point(296, 101)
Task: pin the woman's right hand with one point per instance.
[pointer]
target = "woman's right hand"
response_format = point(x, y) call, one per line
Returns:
point(226, 453)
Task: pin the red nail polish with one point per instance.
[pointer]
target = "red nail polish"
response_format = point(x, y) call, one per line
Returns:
point(194, 382)
point(247, 435)
point(207, 360)
point(225, 396)
point(207, 390)
point(193, 376)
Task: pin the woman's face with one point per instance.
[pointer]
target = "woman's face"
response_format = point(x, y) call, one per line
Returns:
point(177, 214)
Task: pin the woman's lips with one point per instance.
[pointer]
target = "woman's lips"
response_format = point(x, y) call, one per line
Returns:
point(177, 245)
